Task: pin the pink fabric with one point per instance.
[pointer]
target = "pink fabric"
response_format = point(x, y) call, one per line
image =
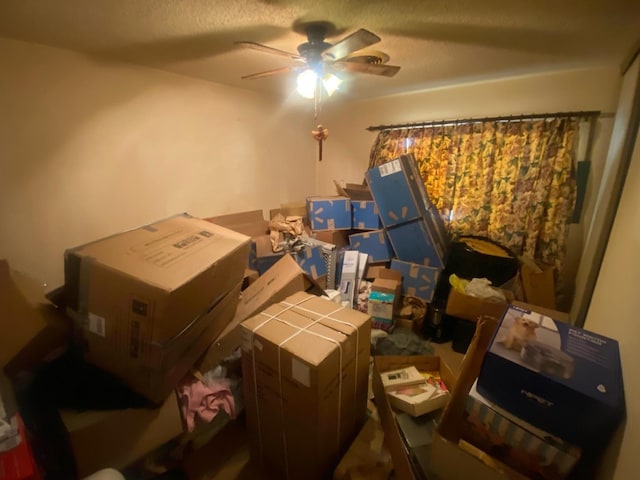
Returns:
point(203, 402)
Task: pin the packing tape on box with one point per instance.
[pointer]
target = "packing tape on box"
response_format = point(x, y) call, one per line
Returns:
point(288, 307)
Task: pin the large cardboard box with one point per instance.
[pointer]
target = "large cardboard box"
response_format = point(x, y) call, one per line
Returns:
point(557, 377)
point(116, 438)
point(305, 364)
point(417, 280)
point(149, 300)
point(364, 215)
point(398, 191)
point(374, 243)
point(282, 280)
point(329, 213)
point(416, 242)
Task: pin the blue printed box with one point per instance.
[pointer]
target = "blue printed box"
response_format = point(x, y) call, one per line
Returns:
point(398, 191)
point(311, 261)
point(557, 377)
point(374, 243)
point(530, 450)
point(329, 213)
point(417, 280)
point(415, 242)
point(364, 215)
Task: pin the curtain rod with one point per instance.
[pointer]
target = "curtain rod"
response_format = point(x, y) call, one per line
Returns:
point(506, 118)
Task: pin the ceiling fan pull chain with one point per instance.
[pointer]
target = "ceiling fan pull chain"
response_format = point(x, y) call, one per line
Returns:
point(320, 134)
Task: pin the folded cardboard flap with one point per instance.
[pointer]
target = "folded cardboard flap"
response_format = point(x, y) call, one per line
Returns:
point(280, 281)
point(393, 436)
point(448, 459)
point(30, 327)
point(250, 223)
point(116, 438)
point(538, 284)
point(467, 307)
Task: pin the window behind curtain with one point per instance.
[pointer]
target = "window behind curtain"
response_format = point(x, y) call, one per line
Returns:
point(511, 181)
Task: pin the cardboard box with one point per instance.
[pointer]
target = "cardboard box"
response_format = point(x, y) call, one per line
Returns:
point(467, 307)
point(329, 213)
point(364, 215)
point(415, 242)
point(148, 299)
point(419, 399)
point(284, 279)
point(402, 377)
point(265, 258)
point(398, 191)
point(354, 191)
point(417, 280)
point(383, 302)
point(538, 285)
point(560, 378)
point(374, 243)
point(250, 223)
point(339, 238)
point(31, 329)
point(305, 364)
point(525, 447)
point(116, 438)
point(312, 261)
point(393, 437)
point(367, 457)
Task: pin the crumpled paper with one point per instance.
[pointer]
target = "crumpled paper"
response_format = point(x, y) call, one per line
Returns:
point(477, 287)
point(286, 233)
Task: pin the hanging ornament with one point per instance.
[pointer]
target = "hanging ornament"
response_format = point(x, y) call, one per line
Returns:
point(320, 134)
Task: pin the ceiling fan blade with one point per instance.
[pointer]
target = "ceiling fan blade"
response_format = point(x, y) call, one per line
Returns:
point(370, 68)
point(267, 73)
point(351, 43)
point(264, 48)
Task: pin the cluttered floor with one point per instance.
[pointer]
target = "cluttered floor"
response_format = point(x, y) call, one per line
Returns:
point(348, 338)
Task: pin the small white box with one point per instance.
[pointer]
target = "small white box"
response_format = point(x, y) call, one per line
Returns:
point(403, 377)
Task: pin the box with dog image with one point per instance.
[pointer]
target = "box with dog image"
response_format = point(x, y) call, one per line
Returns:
point(558, 377)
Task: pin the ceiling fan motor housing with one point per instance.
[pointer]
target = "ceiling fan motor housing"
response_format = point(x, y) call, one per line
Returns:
point(313, 48)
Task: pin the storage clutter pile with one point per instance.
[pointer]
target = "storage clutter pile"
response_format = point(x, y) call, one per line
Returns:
point(174, 309)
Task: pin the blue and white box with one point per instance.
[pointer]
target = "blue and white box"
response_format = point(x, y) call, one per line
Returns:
point(329, 213)
point(312, 261)
point(374, 243)
point(555, 376)
point(415, 242)
point(364, 215)
point(398, 191)
point(417, 280)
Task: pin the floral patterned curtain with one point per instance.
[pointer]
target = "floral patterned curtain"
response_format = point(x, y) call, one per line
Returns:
point(511, 181)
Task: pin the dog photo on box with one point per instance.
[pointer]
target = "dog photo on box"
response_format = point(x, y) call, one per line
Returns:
point(532, 340)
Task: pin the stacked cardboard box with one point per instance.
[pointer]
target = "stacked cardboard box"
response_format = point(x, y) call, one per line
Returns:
point(413, 225)
point(305, 364)
point(149, 301)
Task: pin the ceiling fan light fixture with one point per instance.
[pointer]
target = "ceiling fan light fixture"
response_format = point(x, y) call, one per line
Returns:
point(331, 83)
point(307, 82)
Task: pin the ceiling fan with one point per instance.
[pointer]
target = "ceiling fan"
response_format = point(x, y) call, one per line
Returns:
point(319, 61)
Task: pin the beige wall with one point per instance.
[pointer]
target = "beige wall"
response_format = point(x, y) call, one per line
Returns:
point(615, 302)
point(88, 149)
point(349, 145)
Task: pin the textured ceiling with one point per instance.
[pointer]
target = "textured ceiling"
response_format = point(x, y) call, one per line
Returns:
point(435, 42)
